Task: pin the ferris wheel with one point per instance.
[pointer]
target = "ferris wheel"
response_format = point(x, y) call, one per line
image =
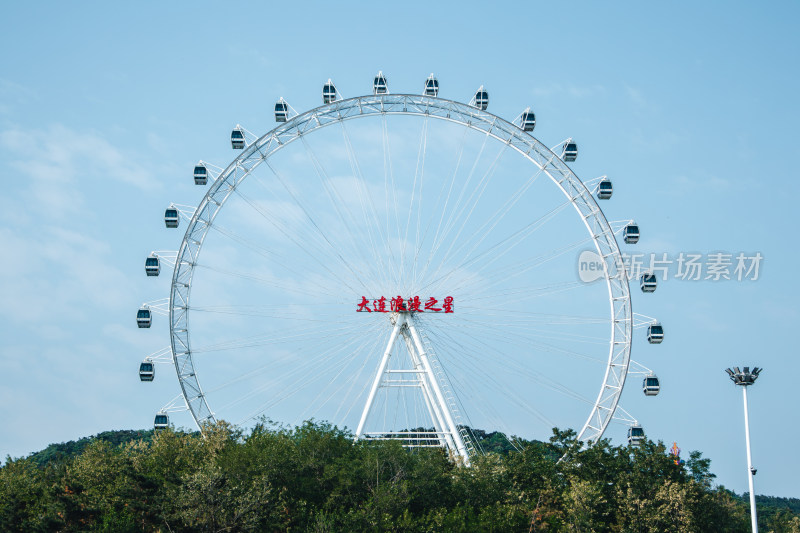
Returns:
point(405, 265)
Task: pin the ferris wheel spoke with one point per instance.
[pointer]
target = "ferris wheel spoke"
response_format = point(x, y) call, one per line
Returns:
point(300, 375)
point(356, 378)
point(473, 199)
point(299, 362)
point(309, 252)
point(540, 350)
point(521, 316)
point(326, 389)
point(491, 223)
point(511, 272)
point(337, 201)
point(277, 312)
point(418, 236)
point(528, 336)
point(374, 220)
point(524, 342)
point(444, 206)
point(442, 200)
point(512, 301)
point(284, 284)
point(358, 277)
point(419, 175)
point(282, 336)
point(452, 218)
point(485, 408)
point(306, 362)
point(512, 364)
point(523, 330)
point(390, 189)
point(268, 253)
point(499, 249)
point(479, 371)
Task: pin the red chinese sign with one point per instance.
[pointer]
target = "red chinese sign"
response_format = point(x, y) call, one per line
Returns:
point(399, 305)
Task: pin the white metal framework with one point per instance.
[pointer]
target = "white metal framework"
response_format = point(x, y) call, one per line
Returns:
point(406, 341)
point(261, 150)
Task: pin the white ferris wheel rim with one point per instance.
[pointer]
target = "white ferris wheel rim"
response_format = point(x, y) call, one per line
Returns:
point(549, 163)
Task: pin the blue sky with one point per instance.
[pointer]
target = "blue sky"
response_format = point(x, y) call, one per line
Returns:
point(690, 109)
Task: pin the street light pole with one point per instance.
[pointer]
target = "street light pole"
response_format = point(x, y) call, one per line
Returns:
point(744, 379)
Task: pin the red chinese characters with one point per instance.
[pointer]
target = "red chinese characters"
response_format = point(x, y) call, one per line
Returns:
point(398, 304)
point(448, 304)
point(364, 306)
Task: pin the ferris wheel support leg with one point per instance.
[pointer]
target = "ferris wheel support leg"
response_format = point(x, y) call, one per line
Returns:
point(398, 325)
point(461, 449)
point(436, 416)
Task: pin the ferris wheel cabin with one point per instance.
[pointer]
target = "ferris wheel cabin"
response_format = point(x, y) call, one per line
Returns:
point(655, 333)
point(528, 120)
point(379, 85)
point(651, 386)
point(635, 435)
point(171, 217)
point(605, 189)
point(481, 99)
point(281, 111)
point(431, 86)
point(631, 233)
point(144, 317)
point(161, 421)
point(648, 282)
point(147, 370)
point(570, 152)
point(152, 266)
point(328, 92)
point(200, 174)
point(237, 138)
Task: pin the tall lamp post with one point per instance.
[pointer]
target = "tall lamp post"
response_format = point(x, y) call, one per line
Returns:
point(745, 378)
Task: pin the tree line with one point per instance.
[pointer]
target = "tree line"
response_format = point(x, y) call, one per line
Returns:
point(315, 478)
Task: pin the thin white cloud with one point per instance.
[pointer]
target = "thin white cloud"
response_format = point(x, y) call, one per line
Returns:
point(85, 283)
point(635, 95)
point(13, 93)
point(59, 154)
point(683, 185)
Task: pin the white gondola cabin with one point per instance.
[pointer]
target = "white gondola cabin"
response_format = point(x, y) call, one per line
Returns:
point(481, 99)
point(655, 333)
point(328, 92)
point(605, 189)
point(635, 435)
point(237, 138)
point(161, 421)
point(528, 120)
point(431, 86)
point(281, 111)
point(147, 370)
point(171, 217)
point(152, 266)
point(144, 317)
point(379, 85)
point(631, 233)
point(650, 385)
point(200, 174)
point(648, 282)
point(570, 152)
